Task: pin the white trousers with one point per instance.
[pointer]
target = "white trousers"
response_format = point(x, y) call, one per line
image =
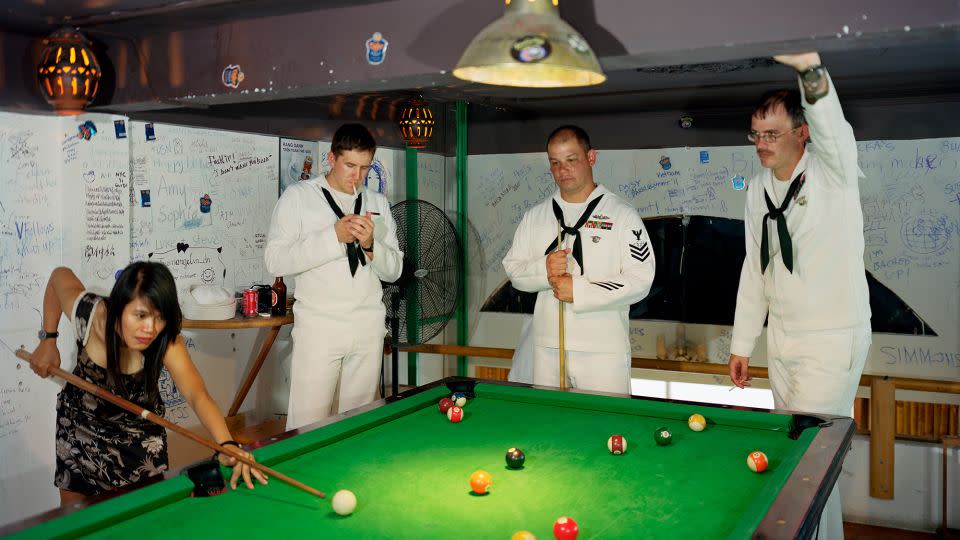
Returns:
point(521, 370)
point(603, 372)
point(324, 358)
point(818, 372)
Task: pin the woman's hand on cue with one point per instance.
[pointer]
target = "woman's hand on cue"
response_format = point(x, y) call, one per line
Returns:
point(242, 469)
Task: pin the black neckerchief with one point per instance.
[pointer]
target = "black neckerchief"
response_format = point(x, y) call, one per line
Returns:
point(572, 231)
point(354, 253)
point(786, 245)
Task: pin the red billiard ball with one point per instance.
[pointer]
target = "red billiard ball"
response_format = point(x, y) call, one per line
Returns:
point(445, 405)
point(617, 445)
point(455, 414)
point(565, 529)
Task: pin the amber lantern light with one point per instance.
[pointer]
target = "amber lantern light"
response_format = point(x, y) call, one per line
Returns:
point(68, 73)
point(416, 123)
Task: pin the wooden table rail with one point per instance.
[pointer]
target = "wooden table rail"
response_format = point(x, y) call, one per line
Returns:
point(902, 383)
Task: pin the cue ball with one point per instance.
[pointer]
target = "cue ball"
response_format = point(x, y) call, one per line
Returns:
point(459, 399)
point(617, 444)
point(697, 422)
point(344, 502)
point(480, 482)
point(565, 529)
point(515, 458)
point(662, 436)
point(455, 414)
point(445, 405)
point(757, 461)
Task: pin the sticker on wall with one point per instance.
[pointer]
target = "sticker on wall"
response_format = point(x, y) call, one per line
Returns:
point(307, 170)
point(205, 203)
point(665, 163)
point(86, 130)
point(148, 131)
point(704, 156)
point(376, 49)
point(120, 127)
point(145, 198)
point(232, 76)
point(530, 49)
point(739, 183)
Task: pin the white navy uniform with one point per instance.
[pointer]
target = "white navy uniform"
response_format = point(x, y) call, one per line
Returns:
point(618, 269)
point(818, 332)
point(339, 322)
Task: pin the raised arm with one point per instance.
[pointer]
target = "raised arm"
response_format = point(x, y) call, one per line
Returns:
point(832, 136)
point(61, 294)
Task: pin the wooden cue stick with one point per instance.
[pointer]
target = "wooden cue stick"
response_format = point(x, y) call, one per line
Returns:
point(563, 366)
point(161, 421)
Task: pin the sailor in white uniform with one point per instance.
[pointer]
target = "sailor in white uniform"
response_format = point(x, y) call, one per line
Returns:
point(803, 270)
point(339, 240)
point(605, 263)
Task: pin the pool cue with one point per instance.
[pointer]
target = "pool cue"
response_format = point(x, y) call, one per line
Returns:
point(563, 366)
point(161, 421)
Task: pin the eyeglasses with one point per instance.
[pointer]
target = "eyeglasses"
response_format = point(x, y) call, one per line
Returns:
point(767, 136)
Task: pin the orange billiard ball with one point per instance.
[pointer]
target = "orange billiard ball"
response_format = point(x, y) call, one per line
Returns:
point(480, 482)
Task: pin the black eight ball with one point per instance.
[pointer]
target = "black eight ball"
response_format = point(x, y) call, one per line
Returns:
point(515, 458)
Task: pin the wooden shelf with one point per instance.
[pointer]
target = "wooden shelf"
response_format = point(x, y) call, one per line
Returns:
point(239, 322)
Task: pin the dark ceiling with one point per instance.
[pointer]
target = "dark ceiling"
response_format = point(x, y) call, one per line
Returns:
point(139, 17)
point(907, 68)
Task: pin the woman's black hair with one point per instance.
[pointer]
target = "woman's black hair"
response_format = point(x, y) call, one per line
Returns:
point(154, 283)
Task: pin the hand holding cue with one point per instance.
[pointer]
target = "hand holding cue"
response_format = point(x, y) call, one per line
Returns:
point(563, 367)
point(161, 421)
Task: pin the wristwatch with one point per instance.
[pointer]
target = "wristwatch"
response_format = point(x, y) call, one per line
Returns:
point(43, 334)
point(369, 249)
point(812, 74)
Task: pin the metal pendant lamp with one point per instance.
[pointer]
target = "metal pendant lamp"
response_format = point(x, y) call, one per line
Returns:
point(530, 46)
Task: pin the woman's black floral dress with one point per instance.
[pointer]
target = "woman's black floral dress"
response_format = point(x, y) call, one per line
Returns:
point(101, 447)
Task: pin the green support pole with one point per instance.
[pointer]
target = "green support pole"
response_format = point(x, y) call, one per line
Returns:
point(462, 310)
point(413, 315)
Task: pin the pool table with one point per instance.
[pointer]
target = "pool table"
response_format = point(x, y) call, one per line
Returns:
point(409, 467)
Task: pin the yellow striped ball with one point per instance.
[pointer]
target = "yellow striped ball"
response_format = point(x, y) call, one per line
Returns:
point(697, 422)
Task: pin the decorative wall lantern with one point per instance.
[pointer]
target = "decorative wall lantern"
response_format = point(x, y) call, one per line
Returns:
point(68, 73)
point(416, 123)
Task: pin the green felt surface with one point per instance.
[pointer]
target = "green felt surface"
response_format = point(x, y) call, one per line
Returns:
point(410, 467)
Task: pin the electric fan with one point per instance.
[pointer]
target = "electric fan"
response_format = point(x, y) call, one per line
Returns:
point(426, 296)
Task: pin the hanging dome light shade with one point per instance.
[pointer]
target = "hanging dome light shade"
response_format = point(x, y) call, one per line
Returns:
point(416, 123)
point(530, 46)
point(68, 73)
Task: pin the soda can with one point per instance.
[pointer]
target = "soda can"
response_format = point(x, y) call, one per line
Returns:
point(250, 303)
